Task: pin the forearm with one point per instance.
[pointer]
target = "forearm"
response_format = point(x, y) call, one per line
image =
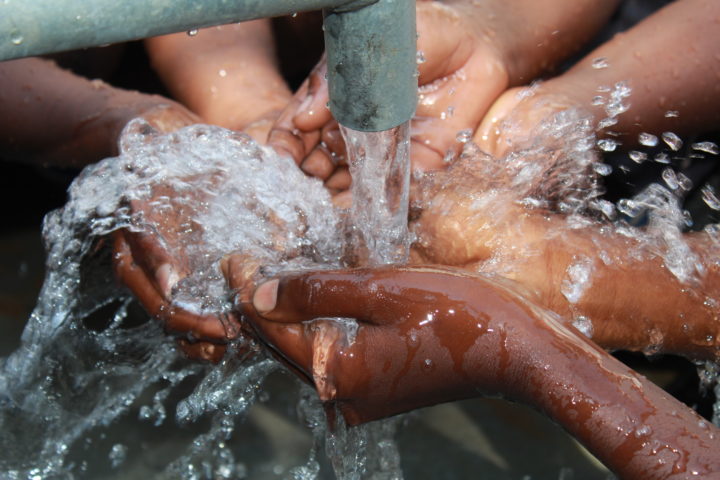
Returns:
point(534, 37)
point(207, 72)
point(630, 298)
point(669, 60)
point(53, 117)
point(630, 424)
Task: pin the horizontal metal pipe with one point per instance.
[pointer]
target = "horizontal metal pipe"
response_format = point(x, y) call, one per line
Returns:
point(36, 27)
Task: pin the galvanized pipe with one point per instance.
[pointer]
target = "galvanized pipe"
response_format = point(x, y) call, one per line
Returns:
point(371, 55)
point(378, 60)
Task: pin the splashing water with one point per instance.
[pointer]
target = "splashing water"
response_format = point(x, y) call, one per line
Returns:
point(70, 377)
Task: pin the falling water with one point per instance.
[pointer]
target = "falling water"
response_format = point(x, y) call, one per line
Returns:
point(380, 170)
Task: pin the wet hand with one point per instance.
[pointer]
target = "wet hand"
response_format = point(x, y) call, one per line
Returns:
point(151, 261)
point(424, 335)
point(459, 78)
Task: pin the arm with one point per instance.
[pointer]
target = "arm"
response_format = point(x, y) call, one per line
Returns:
point(53, 117)
point(430, 335)
point(669, 61)
point(630, 299)
point(228, 75)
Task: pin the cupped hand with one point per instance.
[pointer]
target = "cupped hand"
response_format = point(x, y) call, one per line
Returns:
point(460, 75)
point(424, 335)
point(151, 260)
point(427, 335)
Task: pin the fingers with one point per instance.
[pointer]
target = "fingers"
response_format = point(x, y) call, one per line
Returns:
point(145, 287)
point(313, 111)
point(148, 253)
point(378, 296)
point(285, 137)
point(298, 129)
point(134, 277)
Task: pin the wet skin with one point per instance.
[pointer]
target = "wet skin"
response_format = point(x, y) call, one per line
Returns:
point(428, 335)
point(481, 336)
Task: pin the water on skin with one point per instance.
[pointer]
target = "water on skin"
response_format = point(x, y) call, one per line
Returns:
point(67, 379)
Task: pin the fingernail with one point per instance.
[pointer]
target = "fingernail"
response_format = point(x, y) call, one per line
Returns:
point(265, 297)
point(166, 277)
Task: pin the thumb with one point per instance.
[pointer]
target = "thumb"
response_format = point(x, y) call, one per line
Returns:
point(379, 296)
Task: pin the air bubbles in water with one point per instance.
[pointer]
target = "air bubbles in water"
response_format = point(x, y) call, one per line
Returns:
point(672, 114)
point(193, 32)
point(420, 57)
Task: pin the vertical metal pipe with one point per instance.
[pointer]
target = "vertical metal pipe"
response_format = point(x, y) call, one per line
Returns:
point(371, 53)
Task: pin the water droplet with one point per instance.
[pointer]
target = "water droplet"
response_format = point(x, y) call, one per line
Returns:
point(629, 207)
point(684, 182)
point(687, 218)
point(447, 113)
point(193, 32)
point(603, 89)
point(420, 57)
point(583, 325)
point(709, 197)
point(647, 139)
point(637, 157)
point(672, 114)
point(16, 38)
point(670, 178)
point(464, 136)
point(607, 208)
point(602, 169)
point(117, 455)
point(607, 144)
point(607, 122)
point(707, 147)
point(663, 158)
point(672, 141)
point(600, 62)
point(598, 100)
